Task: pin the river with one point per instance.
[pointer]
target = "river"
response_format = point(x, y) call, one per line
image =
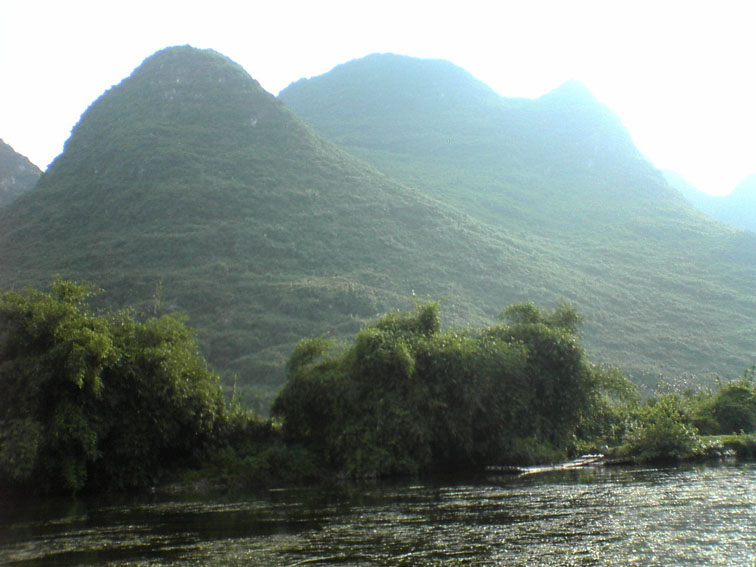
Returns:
point(693, 515)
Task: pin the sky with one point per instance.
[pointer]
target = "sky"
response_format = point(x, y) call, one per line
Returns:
point(679, 74)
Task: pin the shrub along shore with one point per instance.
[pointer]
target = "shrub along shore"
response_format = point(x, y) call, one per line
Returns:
point(99, 400)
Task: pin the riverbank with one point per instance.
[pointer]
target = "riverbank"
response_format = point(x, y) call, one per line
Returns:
point(243, 474)
point(742, 446)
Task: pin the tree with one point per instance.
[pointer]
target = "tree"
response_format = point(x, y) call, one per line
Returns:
point(730, 409)
point(96, 398)
point(406, 396)
point(661, 431)
point(560, 379)
point(52, 356)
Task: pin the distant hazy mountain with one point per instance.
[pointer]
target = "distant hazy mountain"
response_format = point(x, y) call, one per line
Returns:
point(17, 174)
point(188, 188)
point(435, 126)
point(737, 209)
point(662, 288)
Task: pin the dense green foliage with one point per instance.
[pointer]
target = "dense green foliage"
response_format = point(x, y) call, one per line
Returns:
point(406, 396)
point(98, 400)
point(661, 430)
point(729, 409)
point(674, 426)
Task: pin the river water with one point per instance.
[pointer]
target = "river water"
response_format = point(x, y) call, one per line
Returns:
point(697, 515)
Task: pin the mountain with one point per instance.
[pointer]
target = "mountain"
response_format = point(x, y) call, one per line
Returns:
point(188, 188)
point(737, 208)
point(17, 174)
point(424, 121)
point(664, 290)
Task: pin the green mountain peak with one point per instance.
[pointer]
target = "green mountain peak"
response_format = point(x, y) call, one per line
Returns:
point(400, 120)
point(562, 173)
point(188, 188)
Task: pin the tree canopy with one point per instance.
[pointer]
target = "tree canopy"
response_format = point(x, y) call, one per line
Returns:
point(104, 400)
point(406, 396)
point(97, 399)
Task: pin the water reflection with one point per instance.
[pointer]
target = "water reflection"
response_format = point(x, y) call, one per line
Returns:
point(688, 516)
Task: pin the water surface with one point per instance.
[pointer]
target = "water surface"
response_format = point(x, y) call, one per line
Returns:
point(700, 515)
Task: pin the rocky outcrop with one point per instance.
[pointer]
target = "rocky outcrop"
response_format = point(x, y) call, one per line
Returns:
point(17, 174)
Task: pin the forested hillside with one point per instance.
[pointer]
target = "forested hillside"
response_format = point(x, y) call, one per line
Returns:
point(189, 189)
point(663, 288)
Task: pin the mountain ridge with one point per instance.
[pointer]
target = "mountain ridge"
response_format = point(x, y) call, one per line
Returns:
point(738, 208)
point(566, 133)
point(569, 176)
point(17, 174)
point(188, 188)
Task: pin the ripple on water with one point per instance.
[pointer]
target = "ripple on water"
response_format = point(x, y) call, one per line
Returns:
point(682, 516)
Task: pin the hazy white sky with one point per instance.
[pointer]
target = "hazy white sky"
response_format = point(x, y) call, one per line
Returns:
point(680, 74)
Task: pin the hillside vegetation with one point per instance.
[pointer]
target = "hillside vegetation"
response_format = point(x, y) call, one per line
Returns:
point(664, 289)
point(98, 399)
point(405, 397)
point(187, 188)
point(738, 208)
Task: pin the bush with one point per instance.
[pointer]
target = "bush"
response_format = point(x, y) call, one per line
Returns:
point(731, 408)
point(661, 431)
point(407, 397)
point(734, 407)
